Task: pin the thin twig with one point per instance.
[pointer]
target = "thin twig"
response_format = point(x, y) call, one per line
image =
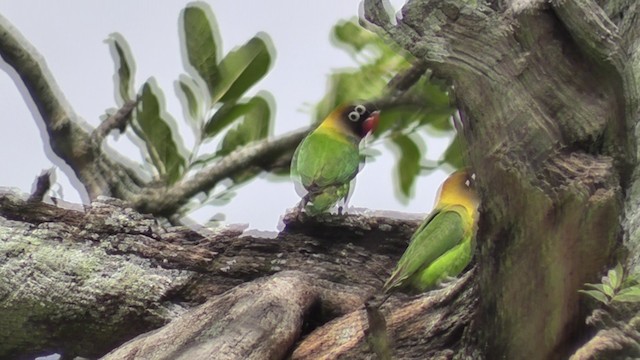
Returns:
point(403, 81)
point(119, 121)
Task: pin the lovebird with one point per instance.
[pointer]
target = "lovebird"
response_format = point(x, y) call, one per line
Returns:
point(444, 243)
point(328, 159)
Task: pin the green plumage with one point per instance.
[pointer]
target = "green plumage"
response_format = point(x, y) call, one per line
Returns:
point(324, 163)
point(441, 247)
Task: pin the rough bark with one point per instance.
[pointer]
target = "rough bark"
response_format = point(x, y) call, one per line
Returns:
point(85, 281)
point(550, 94)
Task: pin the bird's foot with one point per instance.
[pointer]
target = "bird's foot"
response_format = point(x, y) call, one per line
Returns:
point(303, 203)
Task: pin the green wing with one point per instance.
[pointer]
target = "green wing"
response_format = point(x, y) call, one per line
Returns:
point(441, 232)
point(323, 161)
point(450, 264)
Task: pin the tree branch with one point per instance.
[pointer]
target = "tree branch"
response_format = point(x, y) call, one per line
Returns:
point(429, 326)
point(67, 135)
point(226, 327)
point(262, 154)
point(609, 344)
point(403, 81)
point(42, 185)
point(118, 121)
point(83, 282)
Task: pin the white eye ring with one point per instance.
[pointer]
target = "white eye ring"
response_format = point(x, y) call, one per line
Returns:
point(354, 116)
point(360, 109)
point(468, 183)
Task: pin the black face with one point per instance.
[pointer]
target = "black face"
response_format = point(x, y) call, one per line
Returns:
point(355, 115)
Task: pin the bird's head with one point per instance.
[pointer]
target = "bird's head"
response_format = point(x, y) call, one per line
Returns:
point(460, 188)
point(354, 119)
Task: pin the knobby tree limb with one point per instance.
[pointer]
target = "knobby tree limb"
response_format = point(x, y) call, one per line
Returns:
point(616, 340)
point(550, 94)
point(68, 135)
point(119, 121)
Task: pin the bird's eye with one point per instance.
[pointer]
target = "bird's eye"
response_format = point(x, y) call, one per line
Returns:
point(354, 116)
point(360, 109)
point(471, 181)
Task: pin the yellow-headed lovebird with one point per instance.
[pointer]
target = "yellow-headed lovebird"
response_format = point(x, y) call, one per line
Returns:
point(328, 159)
point(444, 243)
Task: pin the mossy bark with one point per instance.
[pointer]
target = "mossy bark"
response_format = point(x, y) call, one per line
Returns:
point(84, 282)
point(549, 99)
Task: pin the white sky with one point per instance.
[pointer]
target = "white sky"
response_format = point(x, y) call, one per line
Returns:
point(70, 35)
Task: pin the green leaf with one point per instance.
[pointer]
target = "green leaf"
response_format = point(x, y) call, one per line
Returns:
point(606, 287)
point(348, 86)
point(393, 119)
point(189, 98)
point(215, 221)
point(157, 135)
point(615, 276)
point(126, 67)
point(241, 69)
point(409, 164)
point(224, 117)
point(598, 287)
point(255, 126)
point(454, 155)
point(351, 34)
point(439, 119)
point(221, 199)
point(435, 95)
point(630, 280)
point(631, 294)
point(369, 79)
point(201, 43)
point(596, 295)
point(369, 153)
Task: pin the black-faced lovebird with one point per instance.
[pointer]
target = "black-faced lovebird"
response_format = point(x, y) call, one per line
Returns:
point(444, 243)
point(328, 159)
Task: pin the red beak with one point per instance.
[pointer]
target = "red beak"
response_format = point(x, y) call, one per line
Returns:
point(371, 123)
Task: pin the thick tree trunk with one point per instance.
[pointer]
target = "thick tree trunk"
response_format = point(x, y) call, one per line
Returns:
point(550, 97)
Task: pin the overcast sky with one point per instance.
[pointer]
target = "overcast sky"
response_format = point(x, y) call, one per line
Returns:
point(70, 36)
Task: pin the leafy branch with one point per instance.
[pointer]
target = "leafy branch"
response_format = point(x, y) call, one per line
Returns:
point(213, 94)
point(414, 105)
point(616, 286)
